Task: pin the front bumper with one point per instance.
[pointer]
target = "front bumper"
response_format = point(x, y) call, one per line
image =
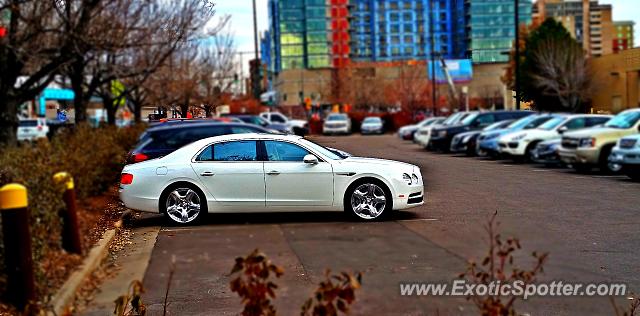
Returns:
point(422, 139)
point(625, 157)
point(545, 157)
point(513, 148)
point(587, 156)
point(457, 146)
point(414, 197)
point(335, 130)
point(377, 130)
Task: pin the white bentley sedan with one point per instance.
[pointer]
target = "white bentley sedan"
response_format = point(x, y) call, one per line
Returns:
point(267, 173)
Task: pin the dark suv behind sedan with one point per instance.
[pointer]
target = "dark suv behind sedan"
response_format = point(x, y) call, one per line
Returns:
point(441, 136)
point(160, 141)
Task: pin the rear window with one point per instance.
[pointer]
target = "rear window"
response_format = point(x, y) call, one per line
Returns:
point(176, 138)
point(28, 123)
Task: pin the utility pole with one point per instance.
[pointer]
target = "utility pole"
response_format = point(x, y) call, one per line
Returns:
point(256, 82)
point(434, 91)
point(517, 55)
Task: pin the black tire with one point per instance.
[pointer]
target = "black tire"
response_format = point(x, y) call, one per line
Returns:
point(527, 152)
point(183, 187)
point(603, 161)
point(386, 211)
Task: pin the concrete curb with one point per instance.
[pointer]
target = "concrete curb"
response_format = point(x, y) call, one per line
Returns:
point(66, 294)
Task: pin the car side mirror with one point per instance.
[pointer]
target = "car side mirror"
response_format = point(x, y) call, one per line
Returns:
point(562, 129)
point(310, 159)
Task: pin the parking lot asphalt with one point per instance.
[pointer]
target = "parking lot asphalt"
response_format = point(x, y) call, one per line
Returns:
point(586, 222)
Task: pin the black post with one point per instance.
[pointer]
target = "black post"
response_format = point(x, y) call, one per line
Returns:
point(517, 55)
point(434, 91)
point(17, 245)
point(71, 240)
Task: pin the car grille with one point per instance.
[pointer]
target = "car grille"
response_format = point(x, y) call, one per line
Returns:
point(424, 133)
point(513, 145)
point(502, 145)
point(627, 143)
point(333, 125)
point(570, 143)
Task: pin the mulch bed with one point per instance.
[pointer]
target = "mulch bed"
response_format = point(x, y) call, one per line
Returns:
point(96, 215)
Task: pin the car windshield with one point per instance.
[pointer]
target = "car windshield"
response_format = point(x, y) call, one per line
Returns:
point(497, 125)
point(469, 118)
point(530, 121)
point(321, 149)
point(256, 120)
point(552, 123)
point(624, 120)
point(452, 118)
point(337, 117)
point(28, 123)
point(372, 120)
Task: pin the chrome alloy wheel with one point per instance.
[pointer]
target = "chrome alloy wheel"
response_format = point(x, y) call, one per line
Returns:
point(183, 205)
point(368, 201)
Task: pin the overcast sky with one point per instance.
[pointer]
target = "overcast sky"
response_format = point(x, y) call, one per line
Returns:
point(242, 20)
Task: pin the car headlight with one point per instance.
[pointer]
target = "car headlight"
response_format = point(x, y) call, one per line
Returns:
point(406, 177)
point(587, 142)
point(442, 133)
point(466, 139)
point(414, 177)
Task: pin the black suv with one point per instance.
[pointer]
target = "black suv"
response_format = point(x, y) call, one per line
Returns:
point(162, 140)
point(441, 136)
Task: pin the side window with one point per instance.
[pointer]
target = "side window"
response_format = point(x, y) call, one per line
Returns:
point(485, 120)
point(283, 151)
point(235, 151)
point(576, 123)
point(277, 118)
point(593, 121)
point(206, 154)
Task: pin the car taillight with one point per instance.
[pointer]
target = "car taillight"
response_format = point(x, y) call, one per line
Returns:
point(39, 127)
point(126, 178)
point(139, 157)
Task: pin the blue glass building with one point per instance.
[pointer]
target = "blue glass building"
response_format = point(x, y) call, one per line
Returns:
point(389, 30)
point(303, 32)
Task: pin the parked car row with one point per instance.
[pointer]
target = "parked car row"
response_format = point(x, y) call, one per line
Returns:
point(579, 141)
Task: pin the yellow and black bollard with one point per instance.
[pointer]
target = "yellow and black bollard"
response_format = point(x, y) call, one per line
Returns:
point(17, 244)
point(71, 240)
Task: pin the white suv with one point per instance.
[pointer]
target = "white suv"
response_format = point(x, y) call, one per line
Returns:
point(521, 144)
point(32, 129)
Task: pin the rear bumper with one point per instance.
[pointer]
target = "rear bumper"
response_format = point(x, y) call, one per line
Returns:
point(138, 203)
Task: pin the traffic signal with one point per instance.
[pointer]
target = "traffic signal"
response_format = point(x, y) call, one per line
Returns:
point(254, 70)
point(3, 31)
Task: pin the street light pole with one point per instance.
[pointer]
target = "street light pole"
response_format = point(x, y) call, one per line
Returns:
point(255, 84)
point(434, 96)
point(517, 55)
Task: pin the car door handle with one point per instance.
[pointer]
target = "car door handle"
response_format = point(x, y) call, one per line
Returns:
point(273, 173)
point(207, 174)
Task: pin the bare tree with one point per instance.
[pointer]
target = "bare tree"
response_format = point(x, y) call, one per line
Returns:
point(562, 73)
point(218, 70)
point(411, 90)
point(38, 43)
